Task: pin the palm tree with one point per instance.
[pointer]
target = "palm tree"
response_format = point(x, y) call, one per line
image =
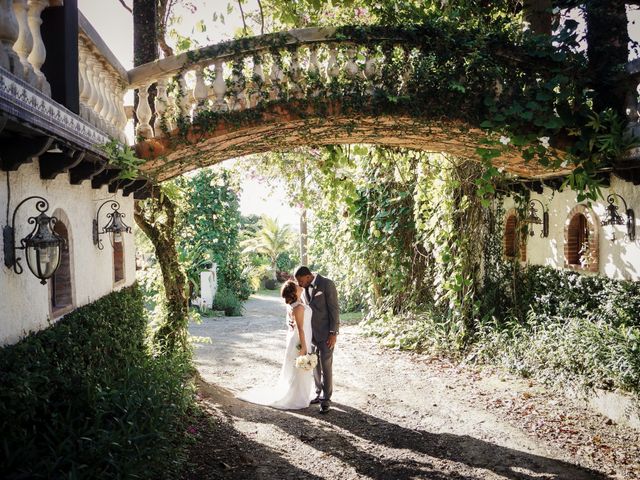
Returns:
point(271, 240)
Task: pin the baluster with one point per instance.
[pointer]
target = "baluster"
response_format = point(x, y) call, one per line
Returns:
point(185, 99)
point(276, 76)
point(387, 76)
point(200, 90)
point(108, 112)
point(371, 70)
point(102, 107)
point(257, 82)
point(296, 84)
point(84, 84)
point(38, 52)
point(161, 104)
point(24, 44)
point(332, 63)
point(238, 83)
point(9, 31)
point(315, 73)
point(351, 67)
point(144, 113)
point(173, 110)
point(219, 88)
point(121, 113)
point(406, 70)
point(93, 90)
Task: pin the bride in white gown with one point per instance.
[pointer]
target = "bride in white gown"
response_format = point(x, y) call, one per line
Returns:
point(295, 386)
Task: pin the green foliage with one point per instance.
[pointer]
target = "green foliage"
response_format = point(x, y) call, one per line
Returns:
point(123, 157)
point(270, 240)
point(84, 399)
point(226, 300)
point(209, 225)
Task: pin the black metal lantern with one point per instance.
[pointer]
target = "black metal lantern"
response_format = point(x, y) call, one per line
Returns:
point(614, 218)
point(42, 246)
point(115, 227)
point(534, 219)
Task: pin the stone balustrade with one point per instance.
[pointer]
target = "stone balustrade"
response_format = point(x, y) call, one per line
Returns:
point(102, 80)
point(303, 63)
point(22, 51)
point(102, 88)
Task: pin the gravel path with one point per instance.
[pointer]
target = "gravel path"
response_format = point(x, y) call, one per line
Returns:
point(395, 416)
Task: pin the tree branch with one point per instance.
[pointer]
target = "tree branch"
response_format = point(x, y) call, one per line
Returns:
point(244, 23)
point(125, 6)
point(261, 18)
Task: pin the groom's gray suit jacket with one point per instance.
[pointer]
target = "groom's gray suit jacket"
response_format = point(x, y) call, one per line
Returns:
point(326, 313)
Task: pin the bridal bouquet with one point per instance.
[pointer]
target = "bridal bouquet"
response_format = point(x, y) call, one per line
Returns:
point(307, 362)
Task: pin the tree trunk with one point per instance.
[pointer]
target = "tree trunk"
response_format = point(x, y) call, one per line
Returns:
point(538, 14)
point(172, 334)
point(303, 220)
point(607, 48)
point(145, 45)
point(303, 237)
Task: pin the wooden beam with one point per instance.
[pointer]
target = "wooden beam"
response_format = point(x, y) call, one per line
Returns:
point(53, 164)
point(18, 150)
point(134, 187)
point(104, 177)
point(86, 170)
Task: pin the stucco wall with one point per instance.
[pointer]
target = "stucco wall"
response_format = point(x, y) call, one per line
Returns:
point(24, 302)
point(619, 259)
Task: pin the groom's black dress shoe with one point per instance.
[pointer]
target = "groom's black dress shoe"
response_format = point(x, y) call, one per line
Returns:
point(324, 408)
point(315, 400)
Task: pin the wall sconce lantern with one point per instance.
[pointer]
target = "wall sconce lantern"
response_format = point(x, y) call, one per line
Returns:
point(114, 227)
point(42, 246)
point(534, 219)
point(614, 218)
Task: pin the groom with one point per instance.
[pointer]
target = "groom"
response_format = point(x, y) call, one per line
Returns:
point(321, 295)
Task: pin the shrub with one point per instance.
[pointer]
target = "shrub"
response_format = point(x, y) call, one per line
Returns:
point(271, 284)
point(84, 399)
point(227, 301)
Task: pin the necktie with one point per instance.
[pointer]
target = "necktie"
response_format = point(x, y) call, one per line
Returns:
point(308, 292)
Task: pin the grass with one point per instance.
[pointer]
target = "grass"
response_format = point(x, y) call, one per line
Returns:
point(351, 318)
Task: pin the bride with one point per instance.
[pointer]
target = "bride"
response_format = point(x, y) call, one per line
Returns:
point(295, 387)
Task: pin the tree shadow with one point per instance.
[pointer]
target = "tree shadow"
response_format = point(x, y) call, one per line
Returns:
point(328, 434)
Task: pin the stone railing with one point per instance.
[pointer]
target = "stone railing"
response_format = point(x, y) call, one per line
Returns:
point(22, 51)
point(102, 80)
point(247, 73)
point(102, 83)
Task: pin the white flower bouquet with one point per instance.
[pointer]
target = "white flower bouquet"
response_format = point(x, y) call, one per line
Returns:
point(307, 362)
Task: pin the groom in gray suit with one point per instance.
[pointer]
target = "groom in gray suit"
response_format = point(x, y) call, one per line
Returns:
point(321, 295)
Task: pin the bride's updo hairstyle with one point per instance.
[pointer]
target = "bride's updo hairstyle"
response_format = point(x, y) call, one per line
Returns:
point(289, 292)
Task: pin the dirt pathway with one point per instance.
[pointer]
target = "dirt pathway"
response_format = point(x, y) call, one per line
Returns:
point(395, 416)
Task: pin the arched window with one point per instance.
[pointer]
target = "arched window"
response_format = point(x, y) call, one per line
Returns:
point(581, 240)
point(61, 288)
point(118, 259)
point(510, 235)
point(515, 243)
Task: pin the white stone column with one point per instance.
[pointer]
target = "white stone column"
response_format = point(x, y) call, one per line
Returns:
point(143, 113)
point(9, 31)
point(24, 44)
point(38, 52)
point(161, 105)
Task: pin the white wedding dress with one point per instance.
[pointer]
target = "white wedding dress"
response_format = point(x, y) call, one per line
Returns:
point(295, 387)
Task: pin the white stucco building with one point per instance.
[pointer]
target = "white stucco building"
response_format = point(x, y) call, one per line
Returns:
point(612, 253)
point(61, 98)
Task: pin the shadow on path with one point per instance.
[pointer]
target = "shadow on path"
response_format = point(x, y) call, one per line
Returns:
point(438, 453)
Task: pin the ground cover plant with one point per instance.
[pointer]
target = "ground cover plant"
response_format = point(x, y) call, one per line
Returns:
point(87, 398)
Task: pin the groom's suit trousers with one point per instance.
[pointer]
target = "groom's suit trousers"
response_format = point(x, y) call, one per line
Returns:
point(323, 373)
